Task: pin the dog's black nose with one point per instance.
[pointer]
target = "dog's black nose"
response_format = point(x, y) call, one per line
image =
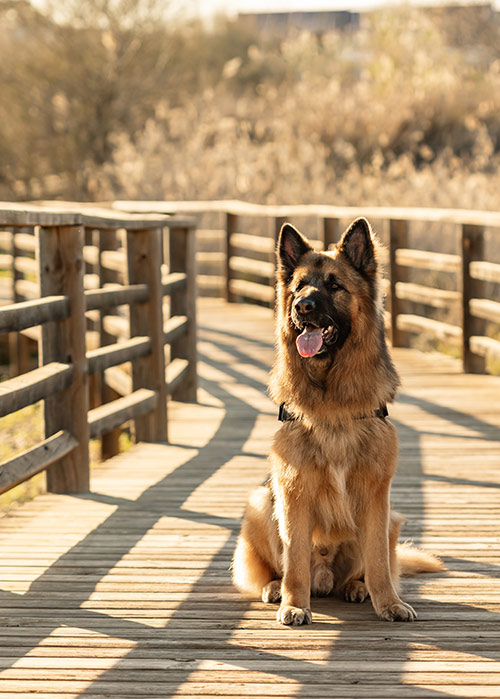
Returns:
point(305, 305)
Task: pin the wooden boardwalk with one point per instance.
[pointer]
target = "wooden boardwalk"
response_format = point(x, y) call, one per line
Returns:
point(126, 592)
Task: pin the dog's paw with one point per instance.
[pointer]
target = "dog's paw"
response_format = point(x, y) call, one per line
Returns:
point(293, 616)
point(398, 611)
point(322, 582)
point(355, 591)
point(271, 593)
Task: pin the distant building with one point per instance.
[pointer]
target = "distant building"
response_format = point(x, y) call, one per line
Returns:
point(280, 23)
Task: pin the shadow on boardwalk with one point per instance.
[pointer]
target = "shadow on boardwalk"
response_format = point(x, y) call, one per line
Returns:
point(225, 644)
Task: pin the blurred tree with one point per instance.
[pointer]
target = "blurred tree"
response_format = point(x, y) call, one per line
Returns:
point(74, 80)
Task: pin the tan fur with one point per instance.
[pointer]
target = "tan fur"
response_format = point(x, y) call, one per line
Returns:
point(323, 523)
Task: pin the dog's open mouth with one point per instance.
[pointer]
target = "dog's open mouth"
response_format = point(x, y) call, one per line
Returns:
point(312, 340)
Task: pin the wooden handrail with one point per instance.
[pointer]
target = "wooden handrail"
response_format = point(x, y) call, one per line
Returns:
point(249, 261)
point(121, 256)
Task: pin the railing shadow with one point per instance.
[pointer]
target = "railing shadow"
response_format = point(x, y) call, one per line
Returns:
point(344, 664)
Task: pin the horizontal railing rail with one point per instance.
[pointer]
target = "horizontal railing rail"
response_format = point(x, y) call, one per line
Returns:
point(90, 267)
point(471, 309)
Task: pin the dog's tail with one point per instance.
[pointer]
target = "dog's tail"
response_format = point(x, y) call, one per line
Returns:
point(412, 560)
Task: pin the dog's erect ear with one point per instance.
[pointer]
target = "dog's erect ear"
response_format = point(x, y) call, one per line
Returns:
point(291, 246)
point(357, 246)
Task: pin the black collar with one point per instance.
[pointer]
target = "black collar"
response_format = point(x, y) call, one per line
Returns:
point(285, 416)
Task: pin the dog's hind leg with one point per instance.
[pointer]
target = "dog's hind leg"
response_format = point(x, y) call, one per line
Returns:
point(257, 558)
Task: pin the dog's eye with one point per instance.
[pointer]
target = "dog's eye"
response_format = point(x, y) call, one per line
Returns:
point(335, 286)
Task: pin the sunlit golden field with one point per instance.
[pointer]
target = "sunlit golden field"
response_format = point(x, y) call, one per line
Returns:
point(403, 111)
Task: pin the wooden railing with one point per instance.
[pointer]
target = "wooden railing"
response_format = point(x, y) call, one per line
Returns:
point(462, 285)
point(76, 313)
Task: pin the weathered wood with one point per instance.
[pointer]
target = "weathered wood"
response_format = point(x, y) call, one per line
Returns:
point(486, 309)
point(330, 233)
point(429, 326)
point(240, 208)
point(485, 347)
point(398, 238)
point(440, 262)
point(126, 591)
point(176, 281)
point(485, 271)
point(252, 290)
point(116, 326)
point(438, 298)
point(472, 247)
point(182, 259)
point(253, 243)
point(175, 327)
point(26, 289)
point(132, 407)
point(121, 295)
point(113, 260)
point(112, 355)
point(144, 262)
point(26, 314)
point(176, 373)
point(118, 381)
point(35, 460)
point(26, 242)
point(32, 386)
point(61, 272)
point(25, 265)
point(256, 268)
point(230, 237)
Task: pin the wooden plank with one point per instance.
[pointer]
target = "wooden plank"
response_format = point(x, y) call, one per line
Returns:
point(26, 314)
point(434, 328)
point(112, 355)
point(176, 373)
point(398, 238)
point(472, 248)
point(32, 461)
point(31, 387)
point(173, 282)
point(25, 241)
point(26, 289)
point(240, 208)
point(121, 295)
point(144, 260)
point(113, 260)
point(428, 260)
point(251, 290)
point(257, 268)
point(485, 271)
point(182, 258)
point(118, 380)
point(175, 327)
point(26, 265)
point(110, 415)
point(252, 243)
point(485, 346)
point(60, 256)
point(486, 309)
point(438, 298)
point(117, 326)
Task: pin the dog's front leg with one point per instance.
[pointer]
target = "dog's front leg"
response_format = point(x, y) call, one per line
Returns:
point(378, 579)
point(294, 519)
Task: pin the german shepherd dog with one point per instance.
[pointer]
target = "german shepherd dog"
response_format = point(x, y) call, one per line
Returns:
point(322, 523)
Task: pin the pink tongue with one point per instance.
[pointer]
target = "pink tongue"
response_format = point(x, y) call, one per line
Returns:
point(309, 342)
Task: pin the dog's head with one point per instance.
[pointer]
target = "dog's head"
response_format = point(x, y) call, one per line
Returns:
point(323, 294)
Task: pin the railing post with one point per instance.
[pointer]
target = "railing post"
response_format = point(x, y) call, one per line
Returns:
point(182, 246)
point(107, 240)
point(472, 249)
point(398, 238)
point(330, 234)
point(144, 267)
point(61, 269)
point(231, 227)
point(19, 345)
